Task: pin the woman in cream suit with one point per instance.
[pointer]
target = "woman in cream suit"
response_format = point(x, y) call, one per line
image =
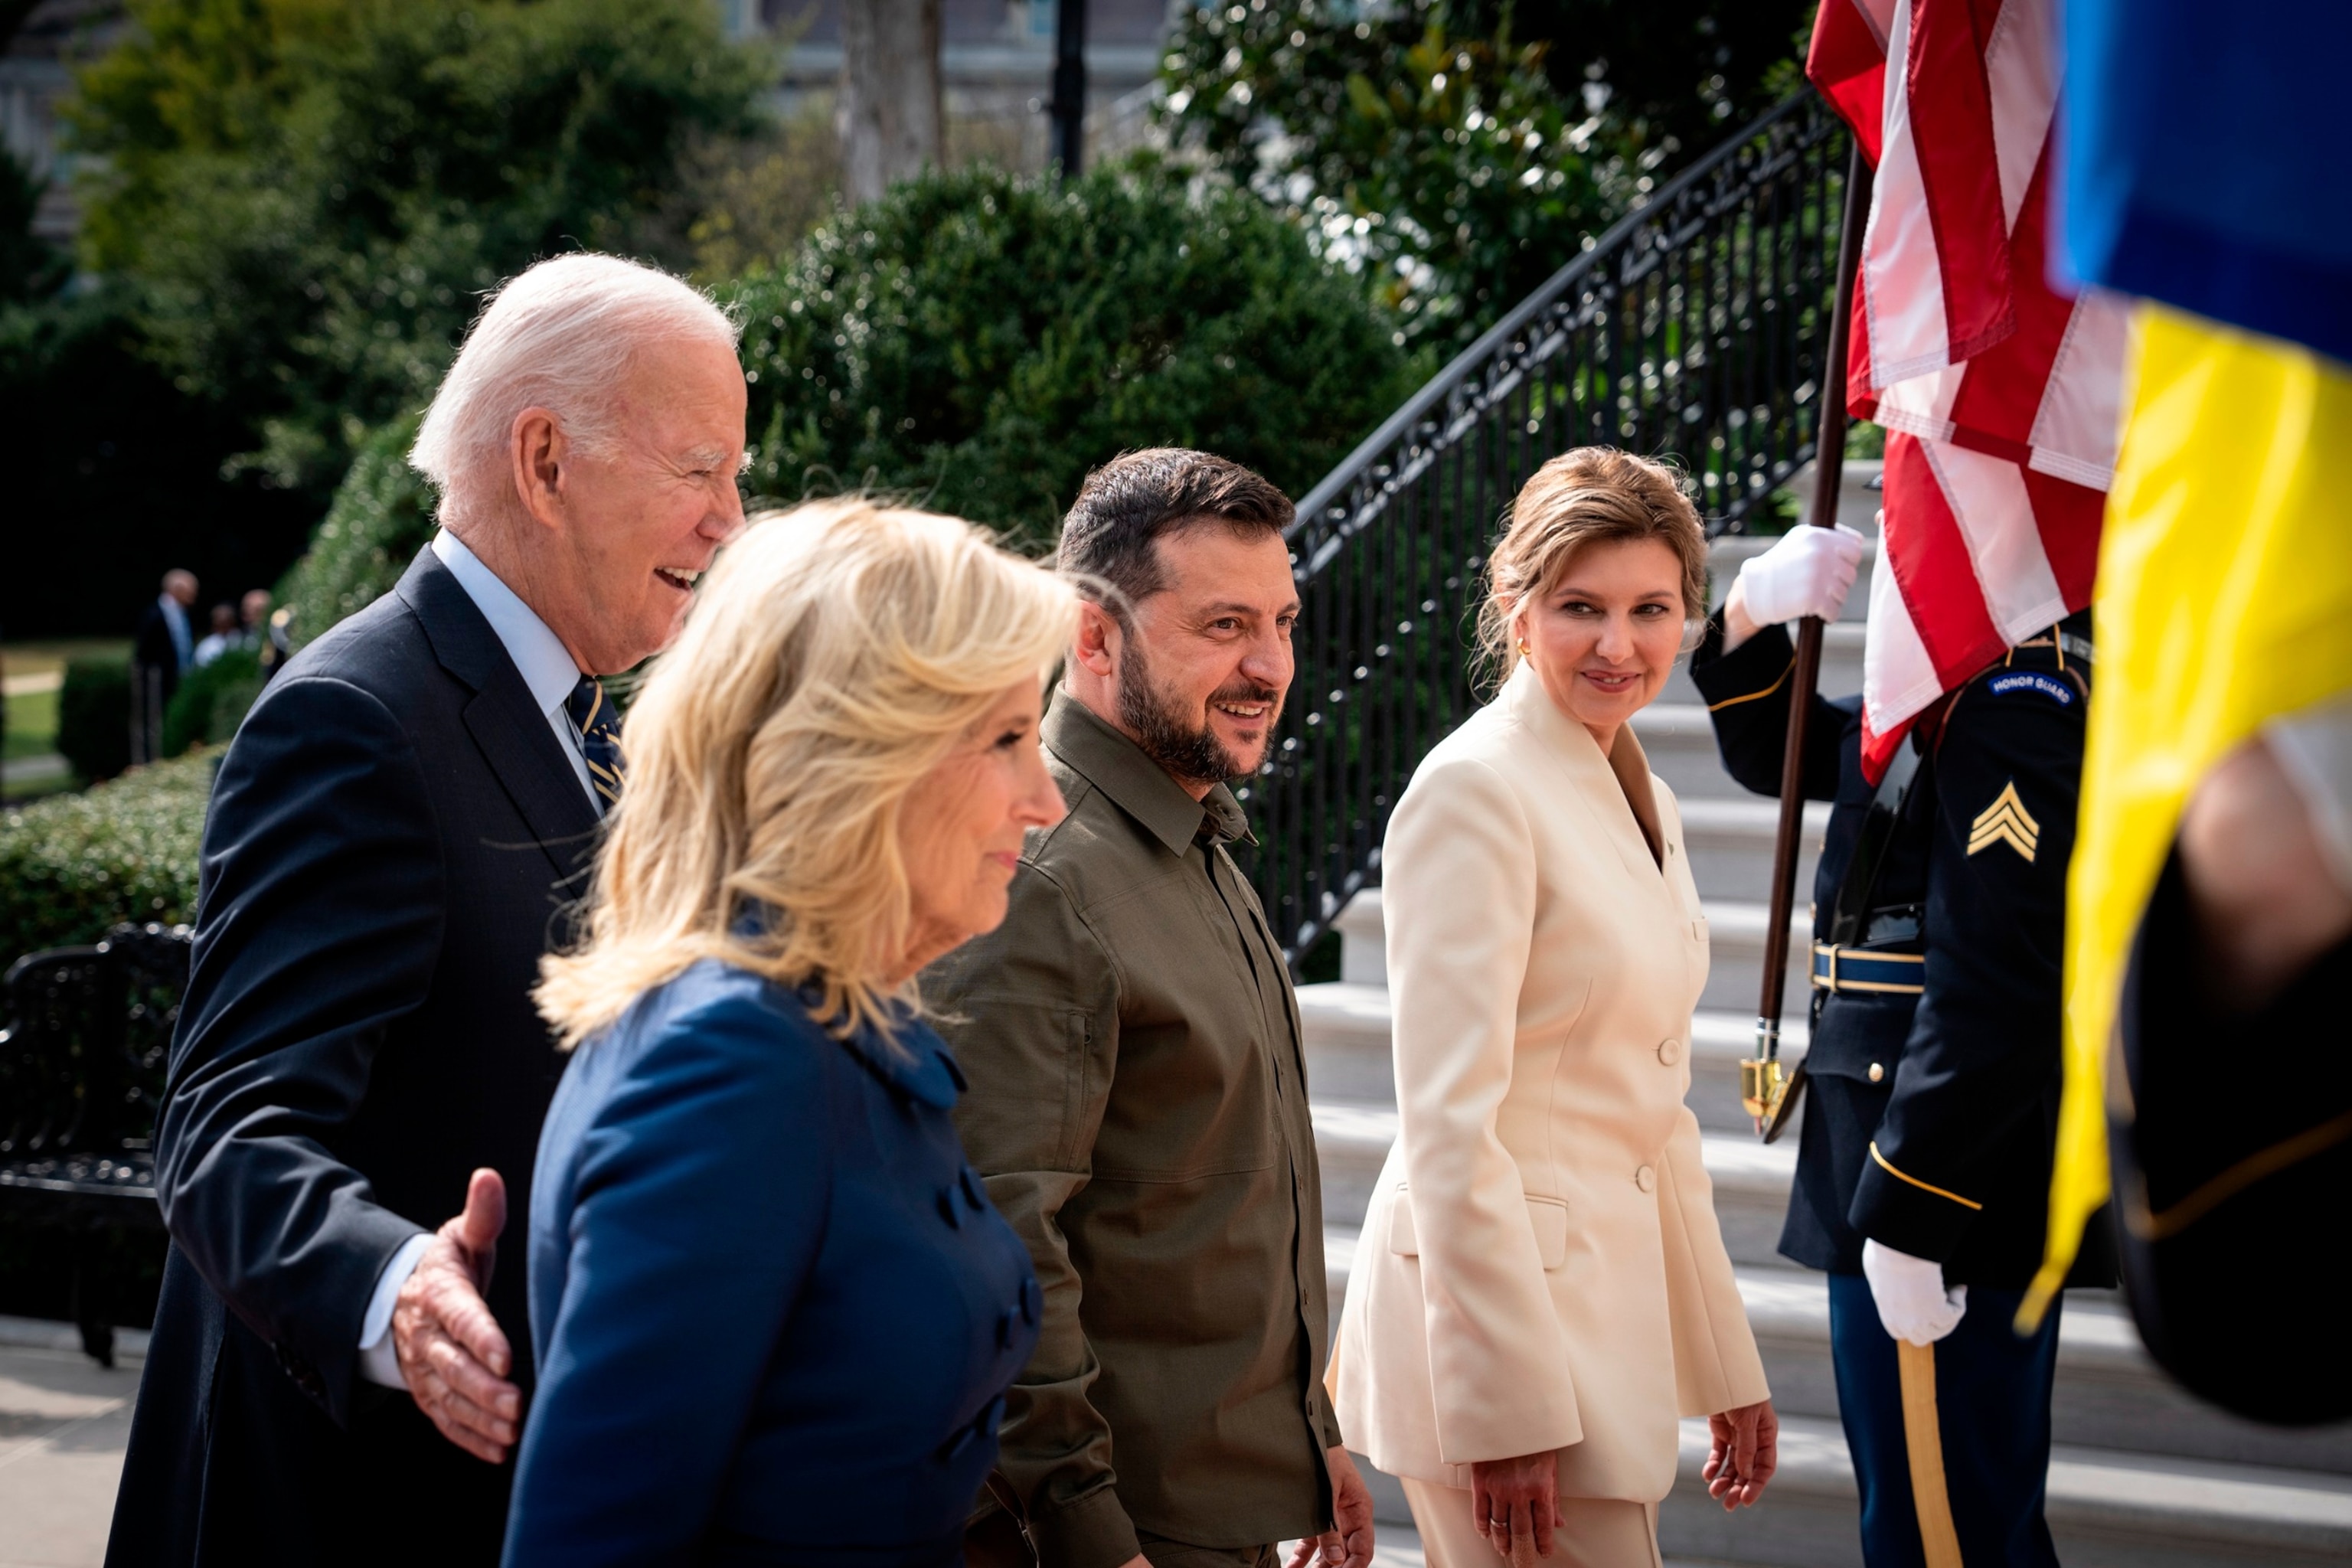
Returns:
point(1541, 1290)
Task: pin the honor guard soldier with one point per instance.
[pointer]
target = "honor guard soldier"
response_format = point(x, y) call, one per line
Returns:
point(1932, 1078)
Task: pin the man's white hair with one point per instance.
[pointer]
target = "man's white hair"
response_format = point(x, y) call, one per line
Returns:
point(560, 336)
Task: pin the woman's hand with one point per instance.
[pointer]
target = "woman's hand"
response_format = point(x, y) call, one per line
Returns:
point(1744, 1452)
point(1517, 1497)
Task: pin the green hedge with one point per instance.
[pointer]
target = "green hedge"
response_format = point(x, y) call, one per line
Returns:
point(94, 717)
point(381, 515)
point(73, 864)
point(981, 340)
point(212, 699)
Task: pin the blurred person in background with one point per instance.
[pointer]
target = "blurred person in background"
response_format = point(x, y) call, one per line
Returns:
point(775, 1312)
point(1542, 1291)
point(223, 637)
point(163, 650)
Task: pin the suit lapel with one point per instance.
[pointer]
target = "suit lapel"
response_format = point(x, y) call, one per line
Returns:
point(1593, 776)
point(513, 734)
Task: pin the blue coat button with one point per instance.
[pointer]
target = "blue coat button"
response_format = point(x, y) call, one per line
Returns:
point(947, 1210)
point(1030, 1303)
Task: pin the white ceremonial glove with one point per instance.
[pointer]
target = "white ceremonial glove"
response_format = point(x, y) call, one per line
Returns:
point(1909, 1291)
point(1809, 573)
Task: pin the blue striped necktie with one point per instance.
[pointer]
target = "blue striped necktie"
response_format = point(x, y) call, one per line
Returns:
point(600, 737)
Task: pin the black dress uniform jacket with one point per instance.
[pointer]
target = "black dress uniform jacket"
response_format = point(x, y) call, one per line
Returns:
point(2230, 1177)
point(1931, 1117)
point(385, 848)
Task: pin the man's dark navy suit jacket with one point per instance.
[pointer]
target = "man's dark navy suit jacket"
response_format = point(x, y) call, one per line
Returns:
point(392, 834)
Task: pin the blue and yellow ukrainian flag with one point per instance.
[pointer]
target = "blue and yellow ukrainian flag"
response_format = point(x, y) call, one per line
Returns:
point(2224, 595)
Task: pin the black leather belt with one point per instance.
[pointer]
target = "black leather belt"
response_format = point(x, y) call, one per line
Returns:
point(1855, 969)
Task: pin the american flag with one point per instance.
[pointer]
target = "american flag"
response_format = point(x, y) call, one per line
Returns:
point(2000, 396)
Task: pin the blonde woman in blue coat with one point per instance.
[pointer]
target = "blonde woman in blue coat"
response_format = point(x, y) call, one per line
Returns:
point(774, 1312)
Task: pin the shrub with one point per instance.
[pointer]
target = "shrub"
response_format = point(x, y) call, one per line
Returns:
point(94, 717)
point(982, 341)
point(212, 699)
point(73, 864)
point(382, 515)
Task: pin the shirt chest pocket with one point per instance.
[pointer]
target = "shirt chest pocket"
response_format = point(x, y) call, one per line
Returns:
point(1547, 1217)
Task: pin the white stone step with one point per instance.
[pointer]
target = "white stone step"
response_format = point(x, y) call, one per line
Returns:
point(2110, 1393)
point(2106, 1509)
point(2240, 1493)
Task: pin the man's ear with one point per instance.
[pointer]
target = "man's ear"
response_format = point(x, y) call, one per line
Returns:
point(1094, 650)
point(536, 453)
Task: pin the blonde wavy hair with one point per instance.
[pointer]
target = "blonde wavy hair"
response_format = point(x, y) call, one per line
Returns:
point(833, 655)
point(1592, 495)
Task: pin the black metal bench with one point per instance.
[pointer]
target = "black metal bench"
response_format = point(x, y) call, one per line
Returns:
point(81, 1076)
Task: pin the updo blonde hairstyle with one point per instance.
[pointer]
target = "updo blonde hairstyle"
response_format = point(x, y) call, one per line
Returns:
point(1593, 495)
point(835, 655)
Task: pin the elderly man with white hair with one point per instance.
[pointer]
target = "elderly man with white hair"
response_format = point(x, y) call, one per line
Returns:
point(331, 1379)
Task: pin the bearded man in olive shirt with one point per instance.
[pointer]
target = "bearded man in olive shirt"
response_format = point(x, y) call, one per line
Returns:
point(1139, 1091)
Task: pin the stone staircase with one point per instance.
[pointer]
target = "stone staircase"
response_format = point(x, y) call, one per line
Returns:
point(2142, 1475)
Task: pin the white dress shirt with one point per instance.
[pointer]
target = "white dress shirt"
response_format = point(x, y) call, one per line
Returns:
point(550, 674)
point(175, 622)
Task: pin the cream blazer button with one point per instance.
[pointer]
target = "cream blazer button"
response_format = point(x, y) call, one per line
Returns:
point(1670, 1051)
point(1646, 1179)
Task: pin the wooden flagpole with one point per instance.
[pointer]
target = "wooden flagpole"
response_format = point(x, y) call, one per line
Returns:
point(1763, 1085)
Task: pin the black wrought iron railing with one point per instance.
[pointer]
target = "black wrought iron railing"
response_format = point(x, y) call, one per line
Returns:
point(1694, 329)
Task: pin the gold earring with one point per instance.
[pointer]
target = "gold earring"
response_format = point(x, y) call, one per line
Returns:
point(1523, 648)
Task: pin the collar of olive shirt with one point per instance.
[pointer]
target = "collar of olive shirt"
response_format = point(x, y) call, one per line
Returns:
point(1120, 768)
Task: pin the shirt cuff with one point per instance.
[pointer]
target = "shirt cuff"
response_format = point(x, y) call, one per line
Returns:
point(379, 1362)
point(1093, 1531)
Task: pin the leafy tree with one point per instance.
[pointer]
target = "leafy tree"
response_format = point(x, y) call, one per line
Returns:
point(982, 341)
point(1443, 163)
point(311, 196)
point(1459, 152)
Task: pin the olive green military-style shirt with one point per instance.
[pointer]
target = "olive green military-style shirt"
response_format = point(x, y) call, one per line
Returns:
point(1138, 1108)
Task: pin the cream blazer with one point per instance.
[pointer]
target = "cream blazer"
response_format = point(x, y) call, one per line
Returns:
point(1540, 1266)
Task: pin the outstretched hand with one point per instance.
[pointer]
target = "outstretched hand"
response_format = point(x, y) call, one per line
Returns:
point(453, 1355)
point(1743, 1450)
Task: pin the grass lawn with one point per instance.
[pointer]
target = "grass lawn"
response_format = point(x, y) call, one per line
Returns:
point(32, 725)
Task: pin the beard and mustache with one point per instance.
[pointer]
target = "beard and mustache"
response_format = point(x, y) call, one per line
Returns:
point(1169, 737)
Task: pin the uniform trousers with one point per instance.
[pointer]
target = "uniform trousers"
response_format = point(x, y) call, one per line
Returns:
point(1950, 1441)
point(1600, 1532)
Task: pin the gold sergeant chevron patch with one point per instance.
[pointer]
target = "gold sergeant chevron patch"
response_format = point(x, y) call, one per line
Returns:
point(2006, 821)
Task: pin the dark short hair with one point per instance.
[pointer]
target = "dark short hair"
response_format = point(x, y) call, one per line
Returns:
point(1132, 501)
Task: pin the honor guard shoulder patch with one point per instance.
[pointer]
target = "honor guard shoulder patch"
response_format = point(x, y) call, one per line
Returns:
point(2049, 686)
point(2006, 821)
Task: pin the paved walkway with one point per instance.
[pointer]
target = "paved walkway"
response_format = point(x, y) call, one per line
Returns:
point(64, 1420)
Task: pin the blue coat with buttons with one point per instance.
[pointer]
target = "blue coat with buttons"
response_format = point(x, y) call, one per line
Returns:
point(775, 1312)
